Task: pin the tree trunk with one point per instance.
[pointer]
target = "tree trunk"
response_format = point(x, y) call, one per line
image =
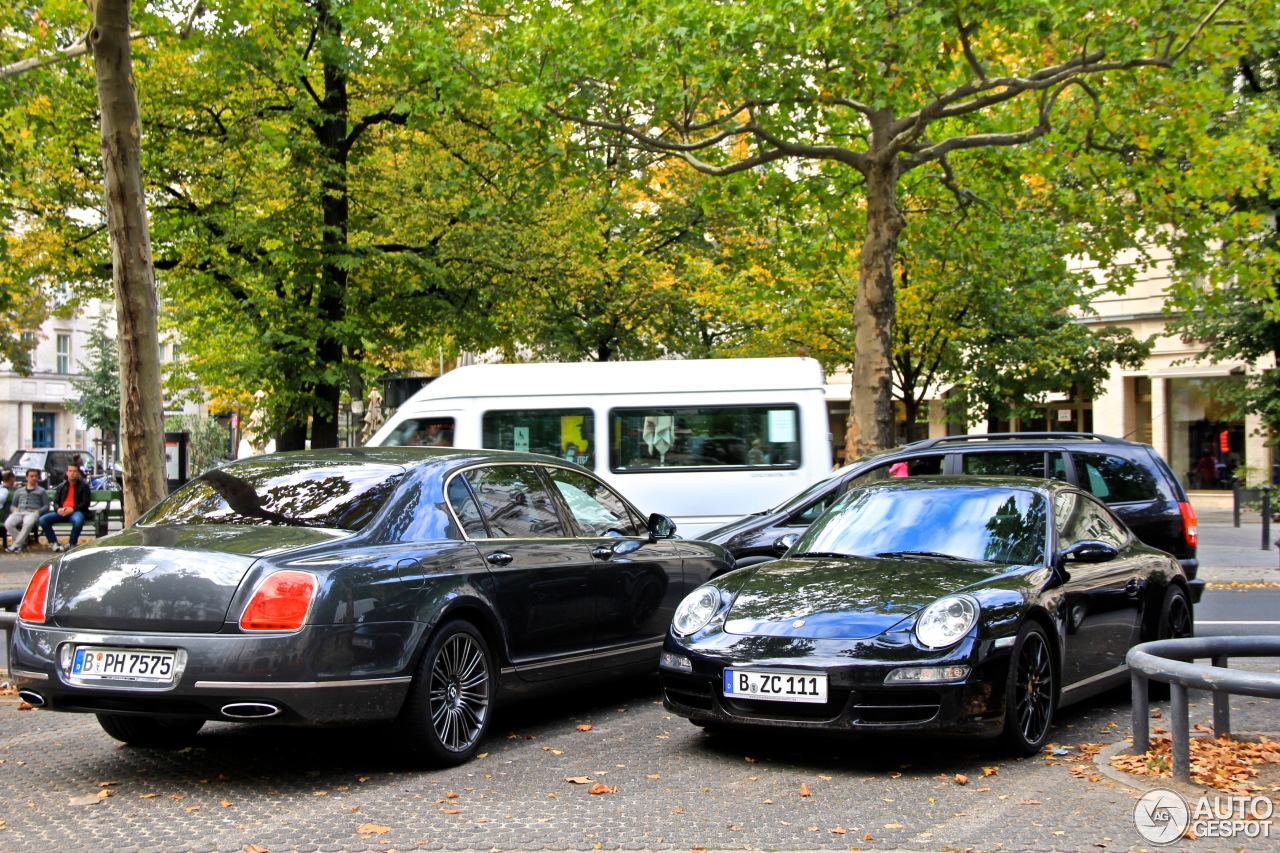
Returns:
point(133, 277)
point(871, 402)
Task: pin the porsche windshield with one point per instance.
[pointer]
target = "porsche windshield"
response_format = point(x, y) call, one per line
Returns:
point(299, 493)
point(986, 524)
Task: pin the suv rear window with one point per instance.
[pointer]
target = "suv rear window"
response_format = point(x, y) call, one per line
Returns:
point(1114, 479)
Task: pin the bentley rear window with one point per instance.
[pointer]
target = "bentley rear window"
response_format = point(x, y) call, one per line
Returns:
point(301, 493)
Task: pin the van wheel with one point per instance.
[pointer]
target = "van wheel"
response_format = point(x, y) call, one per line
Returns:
point(1177, 620)
point(448, 709)
point(150, 732)
point(1031, 692)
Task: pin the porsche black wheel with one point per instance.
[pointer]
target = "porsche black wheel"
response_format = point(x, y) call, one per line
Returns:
point(1176, 621)
point(150, 732)
point(1031, 693)
point(449, 704)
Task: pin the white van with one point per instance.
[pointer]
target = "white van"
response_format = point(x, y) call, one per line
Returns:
point(702, 441)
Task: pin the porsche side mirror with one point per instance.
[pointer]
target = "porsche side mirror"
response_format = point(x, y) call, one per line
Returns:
point(661, 527)
point(1090, 551)
point(783, 543)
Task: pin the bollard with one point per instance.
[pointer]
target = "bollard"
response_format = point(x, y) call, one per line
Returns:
point(1141, 715)
point(1221, 703)
point(1266, 517)
point(1235, 501)
point(1180, 729)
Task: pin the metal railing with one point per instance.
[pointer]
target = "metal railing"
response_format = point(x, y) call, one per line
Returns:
point(1173, 662)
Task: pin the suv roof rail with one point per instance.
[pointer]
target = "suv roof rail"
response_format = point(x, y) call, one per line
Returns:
point(1014, 436)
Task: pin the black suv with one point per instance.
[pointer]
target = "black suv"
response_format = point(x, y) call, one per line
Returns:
point(51, 462)
point(1130, 478)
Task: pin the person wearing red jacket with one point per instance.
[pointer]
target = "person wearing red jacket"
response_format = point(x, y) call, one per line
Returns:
point(70, 503)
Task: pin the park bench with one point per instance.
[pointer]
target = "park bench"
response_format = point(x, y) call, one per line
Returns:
point(105, 506)
point(101, 513)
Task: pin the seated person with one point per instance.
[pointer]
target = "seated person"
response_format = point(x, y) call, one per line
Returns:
point(27, 505)
point(70, 503)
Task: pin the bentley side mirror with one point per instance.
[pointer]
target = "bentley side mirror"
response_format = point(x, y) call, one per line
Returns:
point(661, 527)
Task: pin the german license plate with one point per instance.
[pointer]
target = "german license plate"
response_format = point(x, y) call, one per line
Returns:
point(775, 686)
point(105, 663)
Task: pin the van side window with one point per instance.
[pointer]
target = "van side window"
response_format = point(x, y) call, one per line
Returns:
point(422, 432)
point(514, 501)
point(708, 437)
point(923, 466)
point(563, 433)
point(1113, 479)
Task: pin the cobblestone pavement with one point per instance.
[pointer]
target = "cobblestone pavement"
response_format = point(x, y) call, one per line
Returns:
point(66, 786)
point(348, 789)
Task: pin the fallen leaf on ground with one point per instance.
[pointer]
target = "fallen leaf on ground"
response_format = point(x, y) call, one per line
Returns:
point(893, 826)
point(107, 784)
point(838, 831)
point(579, 780)
point(961, 779)
point(86, 800)
point(804, 790)
point(553, 750)
point(253, 848)
point(1030, 803)
point(453, 811)
point(599, 788)
point(372, 829)
point(990, 771)
point(653, 776)
point(584, 728)
point(226, 804)
point(147, 796)
point(451, 795)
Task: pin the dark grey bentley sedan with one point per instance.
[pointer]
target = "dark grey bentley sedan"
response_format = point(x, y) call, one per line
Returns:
point(401, 584)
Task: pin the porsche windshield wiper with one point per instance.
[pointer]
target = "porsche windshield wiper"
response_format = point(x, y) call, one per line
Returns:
point(927, 555)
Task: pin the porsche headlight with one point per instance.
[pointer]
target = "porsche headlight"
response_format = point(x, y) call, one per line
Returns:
point(696, 610)
point(945, 621)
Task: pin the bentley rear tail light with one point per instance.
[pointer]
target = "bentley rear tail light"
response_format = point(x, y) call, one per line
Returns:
point(1189, 524)
point(36, 597)
point(281, 603)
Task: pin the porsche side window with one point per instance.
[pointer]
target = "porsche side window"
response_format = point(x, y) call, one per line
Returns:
point(1080, 518)
point(465, 508)
point(598, 511)
point(514, 502)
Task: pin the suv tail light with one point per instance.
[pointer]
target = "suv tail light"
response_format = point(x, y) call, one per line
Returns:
point(36, 598)
point(1189, 524)
point(281, 603)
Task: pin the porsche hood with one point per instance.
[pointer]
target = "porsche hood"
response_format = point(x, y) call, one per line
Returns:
point(850, 599)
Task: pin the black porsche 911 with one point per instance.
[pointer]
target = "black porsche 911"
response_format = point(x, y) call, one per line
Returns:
point(382, 584)
point(951, 605)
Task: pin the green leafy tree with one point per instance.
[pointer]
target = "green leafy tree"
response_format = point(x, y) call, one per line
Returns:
point(881, 90)
point(98, 403)
point(1228, 288)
